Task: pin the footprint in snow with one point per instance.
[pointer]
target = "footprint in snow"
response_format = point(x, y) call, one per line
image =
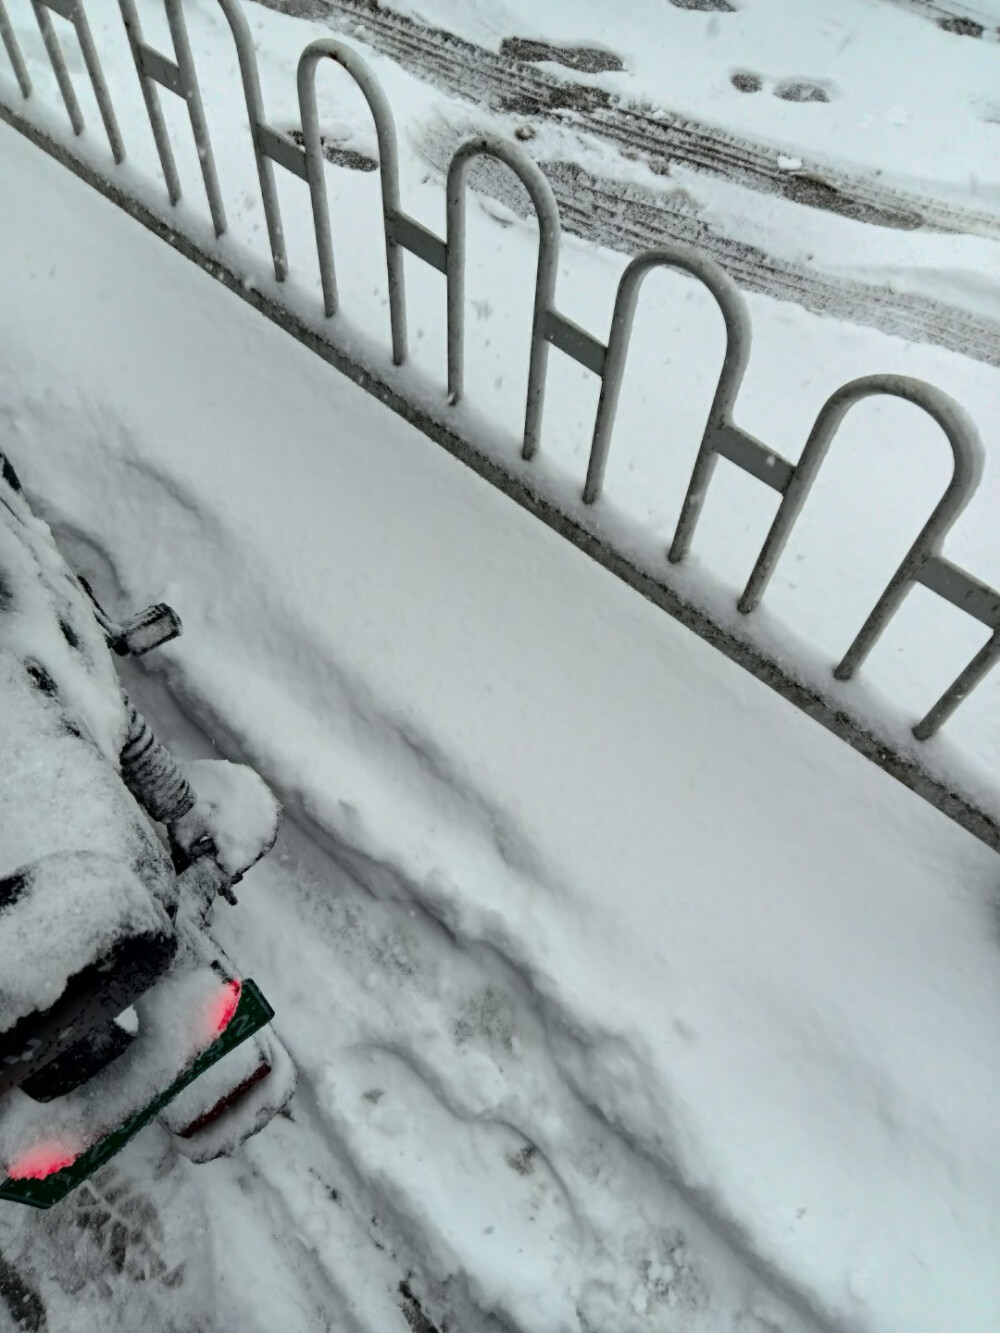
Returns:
point(788, 90)
point(583, 59)
point(802, 90)
point(745, 81)
point(337, 153)
point(706, 6)
point(961, 27)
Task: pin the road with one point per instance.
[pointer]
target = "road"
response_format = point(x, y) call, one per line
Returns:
point(630, 217)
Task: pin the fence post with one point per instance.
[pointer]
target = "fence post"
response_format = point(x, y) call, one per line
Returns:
point(738, 335)
point(388, 155)
point(250, 75)
point(73, 12)
point(547, 212)
point(968, 457)
point(147, 83)
point(14, 52)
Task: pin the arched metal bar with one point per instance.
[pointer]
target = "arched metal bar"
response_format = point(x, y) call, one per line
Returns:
point(73, 12)
point(388, 155)
point(719, 424)
point(547, 212)
point(14, 52)
point(261, 133)
point(922, 556)
point(721, 435)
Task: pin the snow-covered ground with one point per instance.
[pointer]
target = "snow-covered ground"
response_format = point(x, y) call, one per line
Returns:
point(623, 996)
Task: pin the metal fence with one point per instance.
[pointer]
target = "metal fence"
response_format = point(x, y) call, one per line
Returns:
point(923, 564)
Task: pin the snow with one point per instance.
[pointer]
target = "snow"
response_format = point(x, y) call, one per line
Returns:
point(218, 1082)
point(921, 120)
point(622, 995)
point(75, 906)
point(48, 624)
point(822, 591)
point(236, 808)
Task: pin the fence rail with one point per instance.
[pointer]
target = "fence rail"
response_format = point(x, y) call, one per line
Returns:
point(923, 564)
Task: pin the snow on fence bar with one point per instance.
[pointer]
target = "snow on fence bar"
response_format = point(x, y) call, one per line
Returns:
point(924, 564)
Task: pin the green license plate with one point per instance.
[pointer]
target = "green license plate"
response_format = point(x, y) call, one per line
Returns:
point(252, 1013)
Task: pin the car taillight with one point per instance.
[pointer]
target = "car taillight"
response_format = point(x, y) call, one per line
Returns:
point(40, 1161)
point(222, 1008)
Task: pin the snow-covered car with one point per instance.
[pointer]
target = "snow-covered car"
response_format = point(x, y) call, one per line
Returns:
point(116, 1003)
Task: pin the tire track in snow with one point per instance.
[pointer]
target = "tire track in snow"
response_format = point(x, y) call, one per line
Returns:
point(504, 82)
point(630, 218)
point(961, 20)
point(22, 1302)
point(507, 1022)
point(297, 1176)
point(376, 1226)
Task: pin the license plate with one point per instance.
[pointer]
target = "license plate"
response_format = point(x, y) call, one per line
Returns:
point(251, 1015)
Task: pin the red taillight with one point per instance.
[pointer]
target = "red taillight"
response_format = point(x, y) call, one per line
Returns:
point(222, 1008)
point(41, 1161)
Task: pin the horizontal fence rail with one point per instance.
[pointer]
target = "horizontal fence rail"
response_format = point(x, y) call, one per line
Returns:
point(923, 564)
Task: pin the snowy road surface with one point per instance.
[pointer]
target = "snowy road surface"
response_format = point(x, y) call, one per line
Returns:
point(631, 173)
point(623, 996)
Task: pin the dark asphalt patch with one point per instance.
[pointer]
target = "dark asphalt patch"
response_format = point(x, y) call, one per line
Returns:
point(801, 90)
point(746, 82)
point(340, 157)
point(962, 27)
point(583, 59)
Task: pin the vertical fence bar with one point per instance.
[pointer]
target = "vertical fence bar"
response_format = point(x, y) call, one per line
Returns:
point(191, 92)
point(247, 58)
point(93, 63)
point(388, 156)
point(58, 63)
point(133, 31)
point(720, 423)
point(309, 114)
point(961, 688)
point(14, 52)
point(73, 11)
point(547, 212)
